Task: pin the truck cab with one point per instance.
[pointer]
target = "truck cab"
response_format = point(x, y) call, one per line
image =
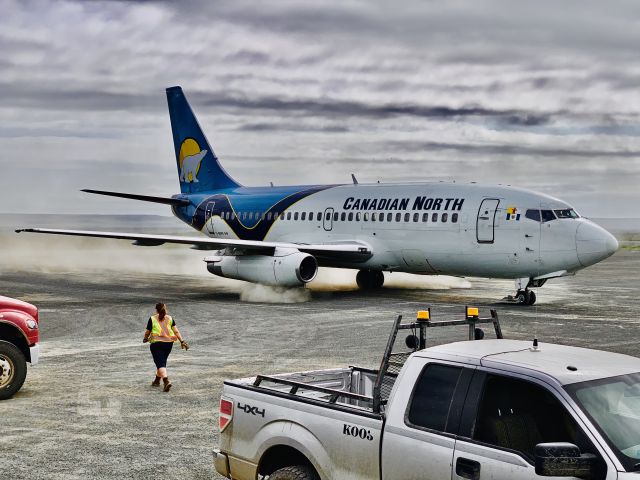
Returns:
point(19, 336)
point(503, 409)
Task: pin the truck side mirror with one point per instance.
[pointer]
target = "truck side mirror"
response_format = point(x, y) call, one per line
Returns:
point(561, 459)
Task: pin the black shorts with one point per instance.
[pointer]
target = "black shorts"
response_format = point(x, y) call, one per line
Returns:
point(160, 352)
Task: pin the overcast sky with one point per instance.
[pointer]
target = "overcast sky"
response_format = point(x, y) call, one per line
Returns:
point(540, 94)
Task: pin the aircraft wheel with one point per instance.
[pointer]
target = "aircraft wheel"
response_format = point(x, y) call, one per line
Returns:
point(369, 279)
point(522, 297)
point(532, 298)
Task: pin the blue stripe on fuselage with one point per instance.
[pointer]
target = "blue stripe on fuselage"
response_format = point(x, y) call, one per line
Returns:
point(264, 200)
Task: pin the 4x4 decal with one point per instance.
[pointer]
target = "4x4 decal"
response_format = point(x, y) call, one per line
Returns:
point(246, 408)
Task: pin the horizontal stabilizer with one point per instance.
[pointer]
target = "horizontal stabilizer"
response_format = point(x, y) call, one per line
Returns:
point(178, 202)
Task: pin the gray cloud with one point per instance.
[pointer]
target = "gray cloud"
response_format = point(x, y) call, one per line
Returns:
point(303, 93)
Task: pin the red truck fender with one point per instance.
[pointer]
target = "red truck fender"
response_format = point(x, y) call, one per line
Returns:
point(14, 328)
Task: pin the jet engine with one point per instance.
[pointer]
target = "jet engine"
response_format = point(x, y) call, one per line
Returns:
point(286, 268)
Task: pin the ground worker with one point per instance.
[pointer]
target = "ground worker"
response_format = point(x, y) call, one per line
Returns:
point(161, 333)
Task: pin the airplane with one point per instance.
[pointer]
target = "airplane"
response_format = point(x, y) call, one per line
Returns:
point(280, 235)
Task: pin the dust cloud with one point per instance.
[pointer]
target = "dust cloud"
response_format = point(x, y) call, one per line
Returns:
point(336, 279)
point(48, 254)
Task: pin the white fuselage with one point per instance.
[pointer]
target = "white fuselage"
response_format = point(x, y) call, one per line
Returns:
point(441, 228)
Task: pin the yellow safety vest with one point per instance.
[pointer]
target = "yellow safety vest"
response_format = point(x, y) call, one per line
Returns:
point(161, 330)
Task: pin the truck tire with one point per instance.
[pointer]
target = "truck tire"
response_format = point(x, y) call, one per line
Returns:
point(296, 472)
point(13, 369)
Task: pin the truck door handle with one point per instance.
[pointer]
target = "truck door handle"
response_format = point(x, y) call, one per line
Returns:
point(466, 468)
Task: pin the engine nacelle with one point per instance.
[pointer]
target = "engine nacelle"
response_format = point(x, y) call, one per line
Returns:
point(286, 268)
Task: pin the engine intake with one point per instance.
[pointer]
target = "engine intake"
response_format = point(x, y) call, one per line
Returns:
point(286, 268)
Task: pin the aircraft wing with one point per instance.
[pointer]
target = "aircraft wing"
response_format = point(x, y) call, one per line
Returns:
point(355, 251)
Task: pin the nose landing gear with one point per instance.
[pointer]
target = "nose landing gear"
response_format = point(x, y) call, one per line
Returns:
point(525, 297)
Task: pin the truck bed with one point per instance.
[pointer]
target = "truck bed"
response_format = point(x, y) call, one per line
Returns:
point(347, 387)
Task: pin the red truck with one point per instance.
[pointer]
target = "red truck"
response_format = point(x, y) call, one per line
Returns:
point(19, 336)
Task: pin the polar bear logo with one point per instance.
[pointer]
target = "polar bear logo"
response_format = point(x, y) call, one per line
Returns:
point(190, 167)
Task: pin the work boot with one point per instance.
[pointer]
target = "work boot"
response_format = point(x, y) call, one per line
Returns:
point(167, 384)
point(156, 382)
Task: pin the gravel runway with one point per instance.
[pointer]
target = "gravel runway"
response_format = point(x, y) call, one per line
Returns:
point(88, 410)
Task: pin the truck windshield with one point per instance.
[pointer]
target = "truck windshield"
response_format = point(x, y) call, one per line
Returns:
point(613, 404)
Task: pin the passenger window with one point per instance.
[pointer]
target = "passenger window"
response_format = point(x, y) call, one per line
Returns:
point(275, 215)
point(407, 217)
point(445, 217)
point(416, 217)
point(343, 216)
point(454, 218)
point(319, 216)
point(358, 217)
point(533, 215)
point(547, 215)
point(373, 216)
point(250, 215)
point(327, 216)
point(244, 215)
point(366, 216)
point(381, 217)
point(517, 415)
point(269, 216)
point(303, 216)
point(434, 217)
point(335, 217)
point(432, 396)
point(288, 215)
point(295, 216)
point(389, 217)
point(398, 217)
point(350, 216)
point(425, 217)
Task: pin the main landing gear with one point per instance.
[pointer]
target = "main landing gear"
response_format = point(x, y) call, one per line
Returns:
point(370, 279)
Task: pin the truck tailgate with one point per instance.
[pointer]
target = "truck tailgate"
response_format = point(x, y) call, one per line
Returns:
point(263, 420)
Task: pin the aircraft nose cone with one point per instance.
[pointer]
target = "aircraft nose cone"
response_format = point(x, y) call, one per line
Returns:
point(594, 243)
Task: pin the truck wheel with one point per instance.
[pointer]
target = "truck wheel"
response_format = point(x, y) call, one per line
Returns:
point(13, 369)
point(296, 472)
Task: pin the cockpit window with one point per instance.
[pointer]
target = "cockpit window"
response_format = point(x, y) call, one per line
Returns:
point(567, 213)
point(533, 215)
point(547, 215)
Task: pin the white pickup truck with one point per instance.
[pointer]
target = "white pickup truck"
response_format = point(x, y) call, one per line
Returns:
point(484, 409)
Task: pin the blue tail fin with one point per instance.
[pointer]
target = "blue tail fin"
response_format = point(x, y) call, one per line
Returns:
point(198, 166)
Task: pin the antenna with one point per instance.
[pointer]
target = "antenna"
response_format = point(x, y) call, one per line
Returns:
point(353, 177)
point(271, 183)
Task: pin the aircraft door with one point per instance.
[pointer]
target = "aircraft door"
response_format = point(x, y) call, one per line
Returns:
point(208, 212)
point(486, 220)
point(327, 219)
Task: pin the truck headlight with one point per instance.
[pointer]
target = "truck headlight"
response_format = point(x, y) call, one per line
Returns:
point(32, 324)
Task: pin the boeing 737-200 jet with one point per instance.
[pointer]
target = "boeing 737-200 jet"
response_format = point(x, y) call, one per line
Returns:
point(280, 235)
